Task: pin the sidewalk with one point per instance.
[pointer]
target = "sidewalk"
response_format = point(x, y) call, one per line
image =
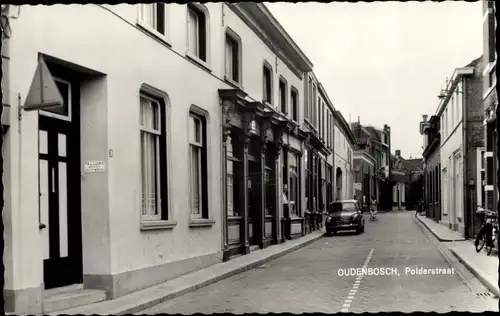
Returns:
point(143, 299)
point(441, 232)
point(484, 267)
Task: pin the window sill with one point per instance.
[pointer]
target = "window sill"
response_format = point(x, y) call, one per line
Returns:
point(197, 61)
point(233, 83)
point(153, 33)
point(157, 225)
point(201, 222)
point(268, 104)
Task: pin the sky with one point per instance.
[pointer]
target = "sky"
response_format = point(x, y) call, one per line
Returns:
point(385, 61)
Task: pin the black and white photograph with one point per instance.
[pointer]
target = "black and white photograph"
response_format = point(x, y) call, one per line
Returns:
point(249, 157)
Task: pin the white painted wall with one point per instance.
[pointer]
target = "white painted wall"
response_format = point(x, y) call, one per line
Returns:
point(343, 153)
point(113, 242)
point(451, 170)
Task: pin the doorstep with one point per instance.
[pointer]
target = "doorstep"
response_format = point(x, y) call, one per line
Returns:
point(484, 267)
point(143, 299)
point(441, 232)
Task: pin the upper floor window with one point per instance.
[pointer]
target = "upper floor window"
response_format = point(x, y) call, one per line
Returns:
point(313, 106)
point(283, 97)
point(233, 57)
point(153, 164)
point(268, 83)
point(308, 102)
point(153, 15)
point(323, 115)
point(493, 75)
point(294, 98)
point(317, 115)
point(198, 165)
point(197, 30)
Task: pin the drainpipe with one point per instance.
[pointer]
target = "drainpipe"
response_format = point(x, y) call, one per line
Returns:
point(467, 102)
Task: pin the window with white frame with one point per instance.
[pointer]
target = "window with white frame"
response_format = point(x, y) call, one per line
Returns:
point(197, 31)
point(267, 77)
point(451, 104)
point(294, 101)
point(153, 152)
point(233, 55)
point(153, 15)
point(198, 165)
point(294, 184)
point(283, 98)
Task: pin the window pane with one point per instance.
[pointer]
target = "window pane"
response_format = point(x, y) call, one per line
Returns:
point(149, 114)
point(229, 58)
point(148, 14)
point(149, 174)
point(193, 32)
point(197, 131)
point(195, 180)
point(230, 197)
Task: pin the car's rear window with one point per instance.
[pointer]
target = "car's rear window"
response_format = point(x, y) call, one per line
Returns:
point(342, 206)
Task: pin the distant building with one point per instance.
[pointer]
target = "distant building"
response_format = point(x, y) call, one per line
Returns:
point(343, 155)
point(490, 102)
point(407, 175)
point(374, 145)
point(461, 142)
point(431, 131)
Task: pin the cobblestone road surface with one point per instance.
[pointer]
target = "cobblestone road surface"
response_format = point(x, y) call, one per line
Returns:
point(307, 280)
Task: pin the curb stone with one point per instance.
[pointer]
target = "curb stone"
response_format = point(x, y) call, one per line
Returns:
point(467, 265)
point(142, 304)
point(473, 269)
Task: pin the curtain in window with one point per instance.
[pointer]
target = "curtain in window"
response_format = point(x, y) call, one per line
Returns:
point(195, 179)
point(230, 189)
point(293, 183)
point(149, 157)
point(193, 28)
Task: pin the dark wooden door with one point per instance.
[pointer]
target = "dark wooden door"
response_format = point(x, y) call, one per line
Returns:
point(60, 188)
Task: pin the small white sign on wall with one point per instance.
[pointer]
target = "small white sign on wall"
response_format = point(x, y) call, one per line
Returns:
point(357, 186)
point(93, 166)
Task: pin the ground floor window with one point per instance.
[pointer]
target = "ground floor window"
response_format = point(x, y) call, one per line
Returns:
point(307, 165)
point(323, 185)
point(294, 184)
point(329, 189)
point(153, 153)
point(232, 182)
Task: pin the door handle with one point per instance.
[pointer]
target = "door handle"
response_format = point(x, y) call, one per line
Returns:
point(41, 226)
point(53, 181)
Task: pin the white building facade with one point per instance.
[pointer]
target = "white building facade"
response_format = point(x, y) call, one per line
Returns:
point(343, 159)
point(95, 192)
point(452, 150)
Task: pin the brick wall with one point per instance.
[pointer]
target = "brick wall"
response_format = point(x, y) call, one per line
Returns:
point(474, 116)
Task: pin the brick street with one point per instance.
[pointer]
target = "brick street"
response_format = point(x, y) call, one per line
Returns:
point(307, 279)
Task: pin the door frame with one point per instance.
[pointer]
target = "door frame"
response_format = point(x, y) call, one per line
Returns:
point(71, 269)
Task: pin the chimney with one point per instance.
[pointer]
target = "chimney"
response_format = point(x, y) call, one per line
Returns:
point(425, 116)
point(398, 153)
point(359, 120)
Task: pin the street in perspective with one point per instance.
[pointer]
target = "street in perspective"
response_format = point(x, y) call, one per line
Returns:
point(222, 157)
point(319, 278)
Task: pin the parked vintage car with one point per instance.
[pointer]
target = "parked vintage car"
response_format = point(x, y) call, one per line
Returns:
point(344, 215)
